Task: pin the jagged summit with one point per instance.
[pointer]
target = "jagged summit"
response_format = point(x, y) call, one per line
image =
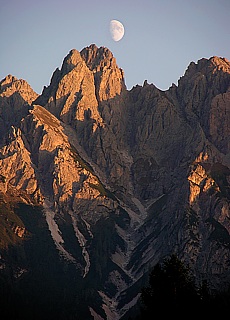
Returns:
point(8, 80)
point(210, 65)
point(98, 58)
point(11, 84)
point(85, 79)
point(98, 184)
point(95, 58)
point(219, 63)
point(71, 61)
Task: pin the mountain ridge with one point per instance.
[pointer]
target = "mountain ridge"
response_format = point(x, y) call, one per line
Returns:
point(121, 178)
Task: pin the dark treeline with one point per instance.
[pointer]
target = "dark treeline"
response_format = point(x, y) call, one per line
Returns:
point(173, 291)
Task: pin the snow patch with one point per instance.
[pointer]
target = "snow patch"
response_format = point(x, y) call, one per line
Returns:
point(82, 241)
point(55, 232)
point(109, 306)
point(95, 315)
point(129, 305)
point(140, 207)
point(88, 227)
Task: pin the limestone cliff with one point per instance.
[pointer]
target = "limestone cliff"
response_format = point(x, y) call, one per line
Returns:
point(116, 179)
point(16, 96)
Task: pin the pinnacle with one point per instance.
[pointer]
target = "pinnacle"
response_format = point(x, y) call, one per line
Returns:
point(220, 62)
point(8, 79)
point(70, 61)
point(94, 56)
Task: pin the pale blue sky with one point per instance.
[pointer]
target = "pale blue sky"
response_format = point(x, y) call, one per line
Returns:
point(161, 36)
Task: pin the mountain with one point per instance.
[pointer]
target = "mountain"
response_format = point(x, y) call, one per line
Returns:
point(99, 183)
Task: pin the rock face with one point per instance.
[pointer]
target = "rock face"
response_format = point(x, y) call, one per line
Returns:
point(15, 98)
point(114, 180)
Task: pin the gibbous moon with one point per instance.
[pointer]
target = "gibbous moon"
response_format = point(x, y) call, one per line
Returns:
point(117, 30)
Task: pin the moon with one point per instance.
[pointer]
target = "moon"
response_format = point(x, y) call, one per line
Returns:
point(117, 30)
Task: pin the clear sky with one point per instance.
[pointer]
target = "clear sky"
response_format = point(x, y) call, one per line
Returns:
point(161, 36)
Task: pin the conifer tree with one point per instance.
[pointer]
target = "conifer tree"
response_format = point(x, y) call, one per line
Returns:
point(171, 289)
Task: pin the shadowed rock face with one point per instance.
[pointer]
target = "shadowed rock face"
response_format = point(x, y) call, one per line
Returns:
point(122, 178)
point(16, 97)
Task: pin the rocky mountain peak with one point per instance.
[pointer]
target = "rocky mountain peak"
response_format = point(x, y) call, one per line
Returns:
point(221, 63)
point(8, 80)
point(97, 58)
point(122, 179)
point(10, 85)
point(208, 66)
point(109, 78)
point(86, 78)
point(71, 61)
point(16, 95)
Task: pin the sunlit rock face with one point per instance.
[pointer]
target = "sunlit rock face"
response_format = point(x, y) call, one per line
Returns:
point(121, 178)
point(108, 77)
point(16, 95)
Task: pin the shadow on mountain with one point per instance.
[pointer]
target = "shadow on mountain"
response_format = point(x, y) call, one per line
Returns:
point(12, 110)
point(167, 187)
